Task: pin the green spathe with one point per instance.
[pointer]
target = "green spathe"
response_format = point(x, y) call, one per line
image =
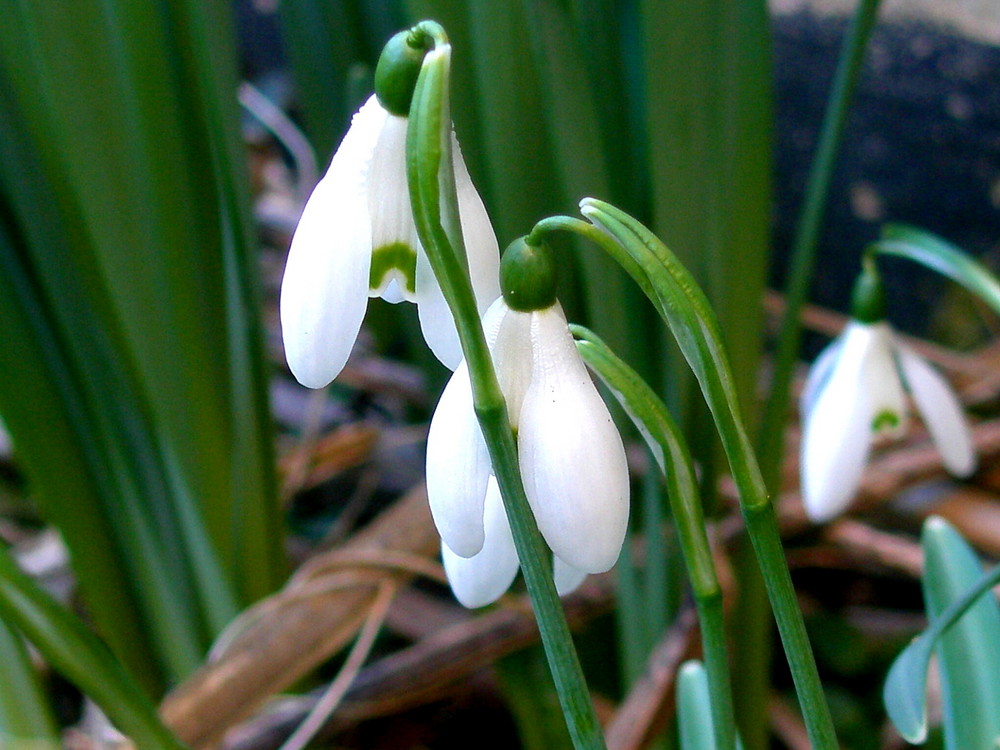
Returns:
point(528, 276)
point(868, 297)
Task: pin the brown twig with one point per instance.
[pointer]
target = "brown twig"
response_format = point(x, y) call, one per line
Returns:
point(275, 651)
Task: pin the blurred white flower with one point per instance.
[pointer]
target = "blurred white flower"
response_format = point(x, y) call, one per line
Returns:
point(570, 454)
point(356, 239)
point(856, 389)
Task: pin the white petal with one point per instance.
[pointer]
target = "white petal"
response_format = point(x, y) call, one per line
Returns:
point(324, 292)
point(458, 467)
point(436, 321)
point(481, 246)
point(482, 579)
point(512, 356)
point(567, 578)
point(941, 412)
point(837, 433)
point(819, 371)
point(571, 455)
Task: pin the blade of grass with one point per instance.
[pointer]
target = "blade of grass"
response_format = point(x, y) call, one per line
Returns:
point(80, 656)
point(25, 715)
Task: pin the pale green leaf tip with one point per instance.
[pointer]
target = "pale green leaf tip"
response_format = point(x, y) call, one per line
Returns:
point(905, 690)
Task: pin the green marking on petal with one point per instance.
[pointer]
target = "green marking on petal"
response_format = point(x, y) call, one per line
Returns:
point(885, 421)
point(395, 257)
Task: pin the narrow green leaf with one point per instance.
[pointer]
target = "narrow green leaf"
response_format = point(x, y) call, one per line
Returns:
point(694, 708)
point(684, 308)
point(709, 119)
point(75, 652)
point(969, 652)
point(527, 687)
point(939, 255)
point(670, 449)
point(25, 715)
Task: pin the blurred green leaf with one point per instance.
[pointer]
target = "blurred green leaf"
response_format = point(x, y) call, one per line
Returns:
point(965, 630)
point(129, 248)
point(73, 650)
point(25, 715)
point(939, 255)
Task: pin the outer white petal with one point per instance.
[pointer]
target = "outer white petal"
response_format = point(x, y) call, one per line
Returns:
point(567, 578)
point(837, 434)
point(324, 292)
point(458, 467)
point(820, 370)
point(571, 455)
point(481, 246)
point(482, 579)
point(941, 411)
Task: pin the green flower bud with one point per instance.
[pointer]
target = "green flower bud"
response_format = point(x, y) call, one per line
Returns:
point(398, 68)
point(528, 276)
point(868, 298)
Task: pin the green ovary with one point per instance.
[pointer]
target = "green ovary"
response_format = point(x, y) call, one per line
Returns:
point(397, 257)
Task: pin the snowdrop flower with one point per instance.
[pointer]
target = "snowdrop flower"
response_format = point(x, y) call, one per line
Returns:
point(571, 456)
point(357, 239)
point(856, 389)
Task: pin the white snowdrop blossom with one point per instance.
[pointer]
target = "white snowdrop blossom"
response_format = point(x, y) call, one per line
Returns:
point(357, 238)
point(570, 455)
point(856, 389)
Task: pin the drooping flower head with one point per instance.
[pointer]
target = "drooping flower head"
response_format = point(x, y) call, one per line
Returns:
point(356, 238)
point(857, 389)
point(570, 454)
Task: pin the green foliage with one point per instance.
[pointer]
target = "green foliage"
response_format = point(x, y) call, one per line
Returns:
point(133, 383)
point(965, 635)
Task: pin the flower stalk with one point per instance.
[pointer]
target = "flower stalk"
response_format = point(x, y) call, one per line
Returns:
point(684, 308)
point(668, 446)
point(432, 192)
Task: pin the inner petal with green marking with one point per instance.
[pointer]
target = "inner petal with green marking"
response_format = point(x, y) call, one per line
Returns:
point(395, 262)
point(886, 421)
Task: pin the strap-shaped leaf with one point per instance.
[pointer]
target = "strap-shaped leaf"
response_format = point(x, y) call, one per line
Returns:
point(969, 652)
point(694, 709)
point(684, 308)
point(938, 254)
point(653, 420)
point(74, 651)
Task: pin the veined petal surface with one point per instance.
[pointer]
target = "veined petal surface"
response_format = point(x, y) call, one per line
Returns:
point(481, 246)
point(571, 455)
point(837, 432)
point(458, 468)
point(324, 289)
point(941, 412)
point(482, 579)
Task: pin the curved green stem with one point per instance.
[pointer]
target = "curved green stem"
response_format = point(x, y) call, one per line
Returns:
point(432, 191)
point(685, 309)
point(667, 442)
